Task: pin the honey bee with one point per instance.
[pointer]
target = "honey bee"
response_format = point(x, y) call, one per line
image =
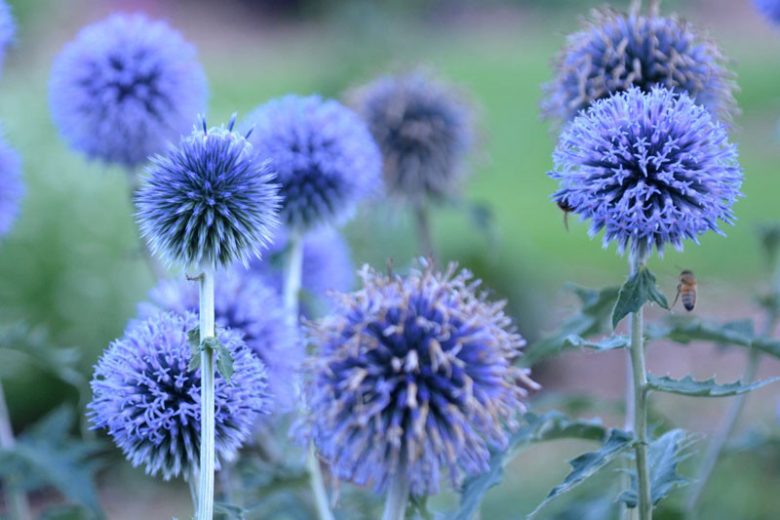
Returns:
point(686, 290)
point(566, 210)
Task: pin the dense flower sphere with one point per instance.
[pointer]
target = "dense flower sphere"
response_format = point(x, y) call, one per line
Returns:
point(208, 201)
point(11, 187)
point(649, 168)
point(327, 262)
point(7, 29)
point(243, 303)
point(324, 156)
point(770, 9)
point(414, 375)
point(125, 88)
point(147, 398)
point(424, 130)
point(614, 52)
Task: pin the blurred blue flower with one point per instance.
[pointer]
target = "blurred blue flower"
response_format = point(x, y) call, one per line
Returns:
point(11, 187)
point(148, 400)
point(414, 375)
point(649, 168)
point(424, 130)
point(327, 262)
point(244, 303)
point(770, 9)
point(125, 88)
point(616, 51)
point(324, 156)
point(7, 29)
point(209, 200)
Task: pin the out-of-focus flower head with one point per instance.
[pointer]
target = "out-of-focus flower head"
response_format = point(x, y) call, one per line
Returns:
point(414, 375)
point(770, 9)
point(148, 400)
point(11, 186)
point(7, 29)
point(649, 168)
point(125, 88)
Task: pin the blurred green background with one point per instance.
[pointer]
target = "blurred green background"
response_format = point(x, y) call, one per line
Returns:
point(72, 264)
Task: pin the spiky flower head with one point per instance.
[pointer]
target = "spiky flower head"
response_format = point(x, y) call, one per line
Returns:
point(209, 200)
point(770, 9)
point(327, 262)
point(125, 88)
point(245, 304)
point(324, 156)
point(416, 376)
point(7, 29)
point(615, 51)
point(147, 398)
point(11, 187)
point(424, 130)
point(650, 168)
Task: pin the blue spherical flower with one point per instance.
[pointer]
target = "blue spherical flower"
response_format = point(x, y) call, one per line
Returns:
point(243, 303)
point(7, 29)
point(125, 88)
point(209, 200)
point(424, 130)
point(616, 51)
point(414, 375)
point(649, 168)
point(11, 187)
point(770, 9)
point(147, 398)
point(327, 262)
point(324, 156)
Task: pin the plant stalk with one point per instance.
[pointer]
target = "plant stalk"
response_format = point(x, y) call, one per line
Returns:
point(639, 384)
point(397, 497)
point(318, 486)
point(424, 235)
point(207, 435)
point(292, 279)
point(16, 499)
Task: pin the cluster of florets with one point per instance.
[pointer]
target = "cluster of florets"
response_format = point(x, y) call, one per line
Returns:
point(210, 200)
point(148, 399)
point(414, 376)
point(125, 88)
point(325, 159)
point(616, 51)
point(424, 129)
point(649, 168)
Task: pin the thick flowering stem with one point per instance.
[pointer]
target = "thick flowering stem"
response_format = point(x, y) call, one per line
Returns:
point(424, 236)
point(16, 501)
point(397, 497)
point(318, 486)
point(639, 380)
point(292, 278)
point(207, 446)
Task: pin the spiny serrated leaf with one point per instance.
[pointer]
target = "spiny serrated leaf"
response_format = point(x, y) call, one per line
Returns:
point(589, 321)
point(224, 362)
point(707, 388)
point(639, 289)
point(227, 511)
point(664, 455)
point(588, 464)
point(610, 343)
point(537, 428)
point(193, 339)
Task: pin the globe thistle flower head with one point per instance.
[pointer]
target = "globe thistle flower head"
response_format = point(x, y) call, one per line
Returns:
point(649, 169)
point(7, 29)
point(148, 400)
point(209, 200)
point(614, 52)
point(124, 88)
point(414, 375)
point(325, 158)
point(245, 304)
point(770, 9)
point(11, 187)
point(424, 130)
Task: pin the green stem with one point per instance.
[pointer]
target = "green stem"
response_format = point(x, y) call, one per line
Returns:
point(397, 497)
point(639, 383)
point(207, 448)
point(318, 486)
point(424, 235)
point(292, 278)
point(16, 500)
